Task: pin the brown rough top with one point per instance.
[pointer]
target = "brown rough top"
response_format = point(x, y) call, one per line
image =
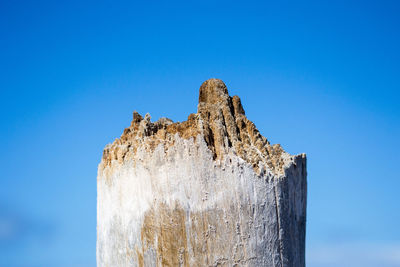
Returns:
point(220, 120)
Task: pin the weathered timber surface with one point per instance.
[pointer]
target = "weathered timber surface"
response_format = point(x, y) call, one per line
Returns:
point(210, 191)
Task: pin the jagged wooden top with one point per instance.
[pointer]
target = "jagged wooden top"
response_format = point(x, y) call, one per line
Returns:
point(220, 120)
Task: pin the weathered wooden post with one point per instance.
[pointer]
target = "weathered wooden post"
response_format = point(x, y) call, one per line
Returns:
point(209, 191)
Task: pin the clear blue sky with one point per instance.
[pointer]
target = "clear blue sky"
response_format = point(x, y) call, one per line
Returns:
point(318, 78)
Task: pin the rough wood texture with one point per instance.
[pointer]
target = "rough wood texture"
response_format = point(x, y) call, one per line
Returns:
point(210, 191)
